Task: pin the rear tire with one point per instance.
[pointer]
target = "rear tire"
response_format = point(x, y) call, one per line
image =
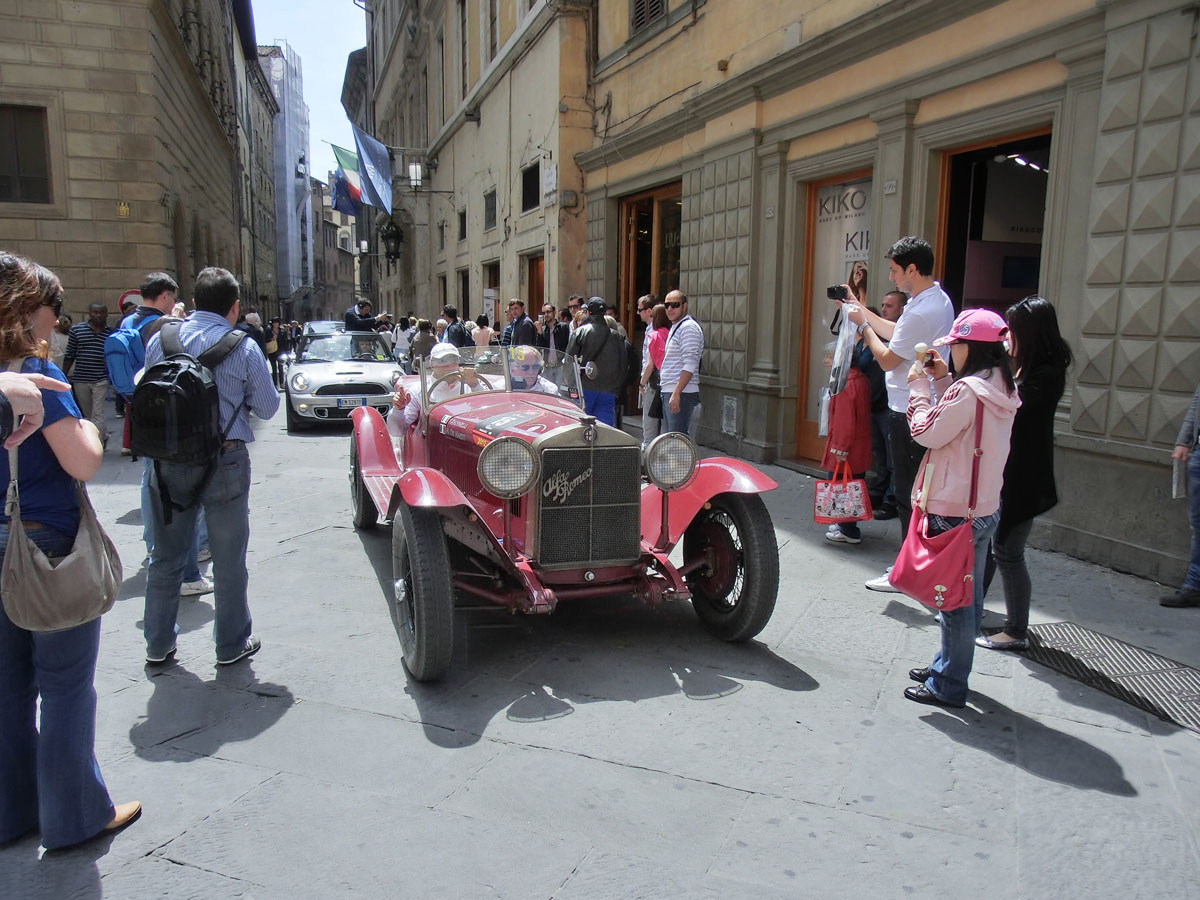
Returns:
point(364, 513)
point(735, 595)
point(422, 592)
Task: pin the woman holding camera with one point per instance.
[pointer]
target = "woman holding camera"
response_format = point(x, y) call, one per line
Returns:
point(976, 408)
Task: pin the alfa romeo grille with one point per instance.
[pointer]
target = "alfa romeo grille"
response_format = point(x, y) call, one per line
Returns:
point(590, 506)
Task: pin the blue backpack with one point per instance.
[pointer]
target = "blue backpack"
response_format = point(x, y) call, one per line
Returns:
point(125, 352)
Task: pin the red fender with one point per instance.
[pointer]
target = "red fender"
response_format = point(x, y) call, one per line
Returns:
point(430, 488)
point(715, 475)
point(375, 453)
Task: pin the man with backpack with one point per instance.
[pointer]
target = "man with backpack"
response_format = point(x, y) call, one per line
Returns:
point(124, 357)
point(603, 361)
point(456, 331)
point(191, 416)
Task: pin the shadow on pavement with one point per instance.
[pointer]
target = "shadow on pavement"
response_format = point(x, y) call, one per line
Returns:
point(1041, 751)
point(233, 707)
point(539, 668)
point(56, 874)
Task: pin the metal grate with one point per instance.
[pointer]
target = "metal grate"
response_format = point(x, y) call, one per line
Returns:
point(594, 515)
point(1153, 683)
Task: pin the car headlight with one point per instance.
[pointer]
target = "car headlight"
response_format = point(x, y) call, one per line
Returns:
point(299, 382)
point(670, 460)
point(508, 467)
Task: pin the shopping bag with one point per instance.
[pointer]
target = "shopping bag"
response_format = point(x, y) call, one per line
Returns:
point(823, 414)
point(841, 498)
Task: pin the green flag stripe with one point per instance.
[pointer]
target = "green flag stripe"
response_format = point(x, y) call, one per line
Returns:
point(347, 159)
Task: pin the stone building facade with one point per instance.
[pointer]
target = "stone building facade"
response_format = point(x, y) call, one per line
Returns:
point(127, 116)
point(498, 212)
point(752, 160)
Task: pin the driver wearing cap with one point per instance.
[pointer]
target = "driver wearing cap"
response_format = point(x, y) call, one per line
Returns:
point(525, 370)
point(444, 361)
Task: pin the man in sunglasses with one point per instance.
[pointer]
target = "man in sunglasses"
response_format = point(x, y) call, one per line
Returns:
point(679, 379)
point(574, 305)
point(525, 370)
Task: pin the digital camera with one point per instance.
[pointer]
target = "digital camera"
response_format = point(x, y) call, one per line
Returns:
point(836, 292)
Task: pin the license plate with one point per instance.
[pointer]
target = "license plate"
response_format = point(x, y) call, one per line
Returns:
point(344, 402)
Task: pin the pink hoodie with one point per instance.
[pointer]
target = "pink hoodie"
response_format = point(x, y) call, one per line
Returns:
point(948, 430)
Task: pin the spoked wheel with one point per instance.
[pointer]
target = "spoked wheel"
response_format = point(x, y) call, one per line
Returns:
point(423, 593)
point(364, 513)
point(734, 592)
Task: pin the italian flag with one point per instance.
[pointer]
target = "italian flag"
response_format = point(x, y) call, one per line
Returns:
point(348, 169)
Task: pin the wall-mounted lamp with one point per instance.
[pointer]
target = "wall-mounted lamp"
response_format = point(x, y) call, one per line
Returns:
point(392, 239)
point(415, 175)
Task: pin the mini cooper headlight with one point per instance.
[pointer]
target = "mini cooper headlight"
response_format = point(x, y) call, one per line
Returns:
point(299, 382)
point(670, 460)
point(508, 467)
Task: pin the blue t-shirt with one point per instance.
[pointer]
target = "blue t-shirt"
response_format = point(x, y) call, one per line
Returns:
point(47, 491)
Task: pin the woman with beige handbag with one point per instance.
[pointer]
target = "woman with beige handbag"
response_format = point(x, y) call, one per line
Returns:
point(49, 778)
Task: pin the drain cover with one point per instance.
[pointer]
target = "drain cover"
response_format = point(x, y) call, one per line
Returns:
point(1158, 685)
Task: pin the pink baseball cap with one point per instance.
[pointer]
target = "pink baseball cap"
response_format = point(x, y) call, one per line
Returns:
point(981, 325)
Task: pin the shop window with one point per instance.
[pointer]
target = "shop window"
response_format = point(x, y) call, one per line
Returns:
point(531, 187)
point(24, 157)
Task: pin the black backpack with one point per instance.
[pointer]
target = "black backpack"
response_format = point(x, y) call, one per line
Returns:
point(175, 413)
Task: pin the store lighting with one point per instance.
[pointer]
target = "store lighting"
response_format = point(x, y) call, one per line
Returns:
point(1019, 161)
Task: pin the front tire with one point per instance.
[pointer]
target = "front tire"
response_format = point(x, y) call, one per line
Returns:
point(734, 595)
point(364, 514)
point(294, 422)
point(422, 592)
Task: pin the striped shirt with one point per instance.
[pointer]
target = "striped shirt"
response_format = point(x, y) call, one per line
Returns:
point(85, 353)
point(685, 346)
point(243, 377)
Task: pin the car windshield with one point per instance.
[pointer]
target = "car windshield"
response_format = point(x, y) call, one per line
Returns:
point(521, 369)
point(341, 347)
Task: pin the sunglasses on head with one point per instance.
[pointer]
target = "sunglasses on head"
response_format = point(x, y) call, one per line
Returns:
point(55, 304)
point(674, 304)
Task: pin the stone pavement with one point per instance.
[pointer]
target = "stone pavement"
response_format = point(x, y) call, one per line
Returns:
point(611, 750)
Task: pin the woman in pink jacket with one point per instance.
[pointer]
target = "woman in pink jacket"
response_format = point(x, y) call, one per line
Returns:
point(982, 375)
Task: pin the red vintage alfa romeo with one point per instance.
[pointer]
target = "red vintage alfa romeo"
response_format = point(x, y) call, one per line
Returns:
point(499, 486)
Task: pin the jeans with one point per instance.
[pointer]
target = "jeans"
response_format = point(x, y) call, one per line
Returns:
point(602, 406)
point(148, 497)
point(681, 421)
point(49, 779)
point(650, 425)
point(1192, 581)
point(225, 502)
point(906, 460)
point(882, 495)
point(951, 667)
point(1008, 557)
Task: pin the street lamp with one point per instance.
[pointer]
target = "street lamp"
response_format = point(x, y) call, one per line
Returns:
point(392, 239)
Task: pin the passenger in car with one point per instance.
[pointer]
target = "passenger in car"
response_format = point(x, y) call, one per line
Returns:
point(525, 370)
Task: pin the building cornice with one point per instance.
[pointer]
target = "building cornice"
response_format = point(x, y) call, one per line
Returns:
point(808, 62)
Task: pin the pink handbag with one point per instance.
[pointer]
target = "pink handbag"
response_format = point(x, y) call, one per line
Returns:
point(841, 498)
point(939, 570)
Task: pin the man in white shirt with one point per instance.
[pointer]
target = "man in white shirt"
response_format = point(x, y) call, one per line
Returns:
point(678, 379)
point(927, 315)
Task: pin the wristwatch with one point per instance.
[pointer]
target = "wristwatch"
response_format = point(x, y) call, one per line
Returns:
point(860, 328)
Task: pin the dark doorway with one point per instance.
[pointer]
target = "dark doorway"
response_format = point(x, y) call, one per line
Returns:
point(994, 209)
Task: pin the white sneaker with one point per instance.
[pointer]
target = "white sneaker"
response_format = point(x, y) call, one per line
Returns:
point(195, 588)
point(837, 536)
point(204, 555)
point(882, 584)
